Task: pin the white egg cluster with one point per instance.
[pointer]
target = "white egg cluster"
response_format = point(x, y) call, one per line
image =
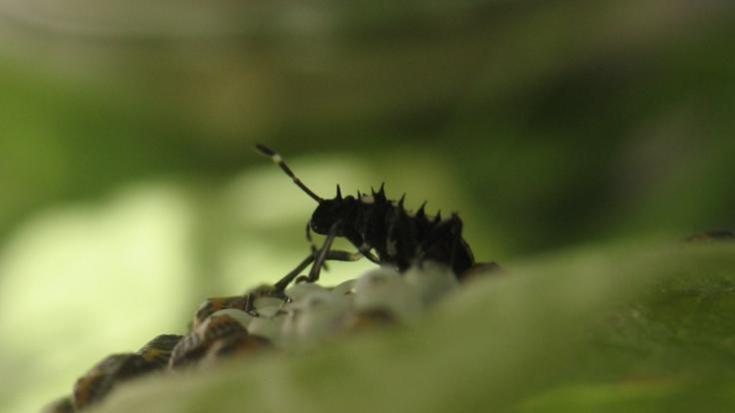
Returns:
point(308, 314)
point(313, 313)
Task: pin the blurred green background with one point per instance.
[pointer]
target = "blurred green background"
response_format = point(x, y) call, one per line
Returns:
point(130, 190)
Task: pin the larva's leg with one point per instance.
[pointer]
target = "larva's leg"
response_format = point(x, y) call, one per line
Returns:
point(323, 253)
point(277, 290)
point(312, 245)
point(364, 250)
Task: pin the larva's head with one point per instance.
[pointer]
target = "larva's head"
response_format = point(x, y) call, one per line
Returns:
point(331, 211)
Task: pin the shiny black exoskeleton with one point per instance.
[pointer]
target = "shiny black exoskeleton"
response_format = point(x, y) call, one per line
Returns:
point(382, 230)
point(374, 223)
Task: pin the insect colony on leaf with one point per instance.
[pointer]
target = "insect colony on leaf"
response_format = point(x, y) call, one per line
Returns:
point(421, 258)
point(382, 230)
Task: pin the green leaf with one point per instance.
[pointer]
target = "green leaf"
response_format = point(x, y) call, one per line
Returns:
point(548, 334)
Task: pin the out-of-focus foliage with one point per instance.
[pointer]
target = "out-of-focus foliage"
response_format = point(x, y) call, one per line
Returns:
point(130, 190)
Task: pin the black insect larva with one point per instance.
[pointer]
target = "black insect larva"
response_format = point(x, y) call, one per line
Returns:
point(382, 230)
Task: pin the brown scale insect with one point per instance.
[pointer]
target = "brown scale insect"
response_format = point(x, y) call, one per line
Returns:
point(62, 405)
point(158, 351)
point(102, 378)
point(234, 345)
point(212, 305)
point(224, 331)
point(105, 375)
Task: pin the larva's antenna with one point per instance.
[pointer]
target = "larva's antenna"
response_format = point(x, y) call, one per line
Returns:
point(276, 158)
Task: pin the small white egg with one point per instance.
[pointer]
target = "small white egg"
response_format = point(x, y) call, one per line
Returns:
point(344, 288)
point(386, 289)
point(268, 306)
point(269, 328)
point(298, 291)
point(316, 316)
point(431, 280)
point(238, 315)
